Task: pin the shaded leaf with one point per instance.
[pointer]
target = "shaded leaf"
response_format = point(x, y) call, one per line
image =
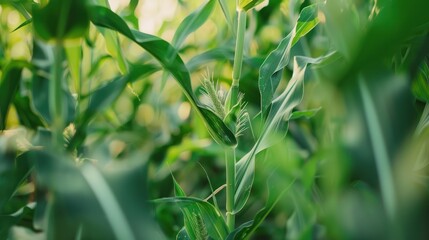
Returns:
point(11, 79)
point(57, 20)
point(420, 86)
point(246, 230)
point(212, 218)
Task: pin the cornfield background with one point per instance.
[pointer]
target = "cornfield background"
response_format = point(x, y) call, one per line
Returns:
point(214, 119)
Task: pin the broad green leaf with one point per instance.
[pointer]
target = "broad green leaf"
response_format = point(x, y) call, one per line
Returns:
point(110, 205)
point(204, 215)
point(192, 22)
point(7, 221)
point(9, 84)
point(246, 230)
point(104, 202)
point(380, 149)
point(58, 19)
point(42, 60)
point(271, 70)
point(171, 61)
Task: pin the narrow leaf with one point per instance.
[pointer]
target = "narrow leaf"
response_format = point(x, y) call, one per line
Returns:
point(305, 114)
point(192, 22)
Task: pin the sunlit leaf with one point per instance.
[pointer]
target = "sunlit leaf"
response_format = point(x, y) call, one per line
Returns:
point(192, 22)
point(171, 61)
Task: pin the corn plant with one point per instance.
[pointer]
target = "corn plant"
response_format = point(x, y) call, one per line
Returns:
point(285, 120)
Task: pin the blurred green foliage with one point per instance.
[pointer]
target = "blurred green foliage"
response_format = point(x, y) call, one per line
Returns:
point(335, 141)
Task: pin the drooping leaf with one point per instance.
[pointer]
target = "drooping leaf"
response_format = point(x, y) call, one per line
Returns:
point(171, 61)
point(203, 214)
point(271, 70)
point(189, 25)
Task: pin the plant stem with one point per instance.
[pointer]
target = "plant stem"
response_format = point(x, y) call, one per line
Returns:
point(238, 58)
point(230, 187)
point(56, 98)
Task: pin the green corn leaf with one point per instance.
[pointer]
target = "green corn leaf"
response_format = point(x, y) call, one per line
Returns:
point(247, 5)
point(7, 221)
point(246, 230)
point(104, 96)
point(25, 23)
point(192, 22)
point(26, 113)
point(57, 20)
point(280, 113)
point(13, 172)
point(114, 201)
point(183, 235)
point(225, 9)
point(271, 70)
point(219, 54)
point(42, 60)
point(305, 114)
point(189, 25)
point(200, 211)
point(420, 86)
point(10, 81)
point(281, 107)
point(171, 61)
